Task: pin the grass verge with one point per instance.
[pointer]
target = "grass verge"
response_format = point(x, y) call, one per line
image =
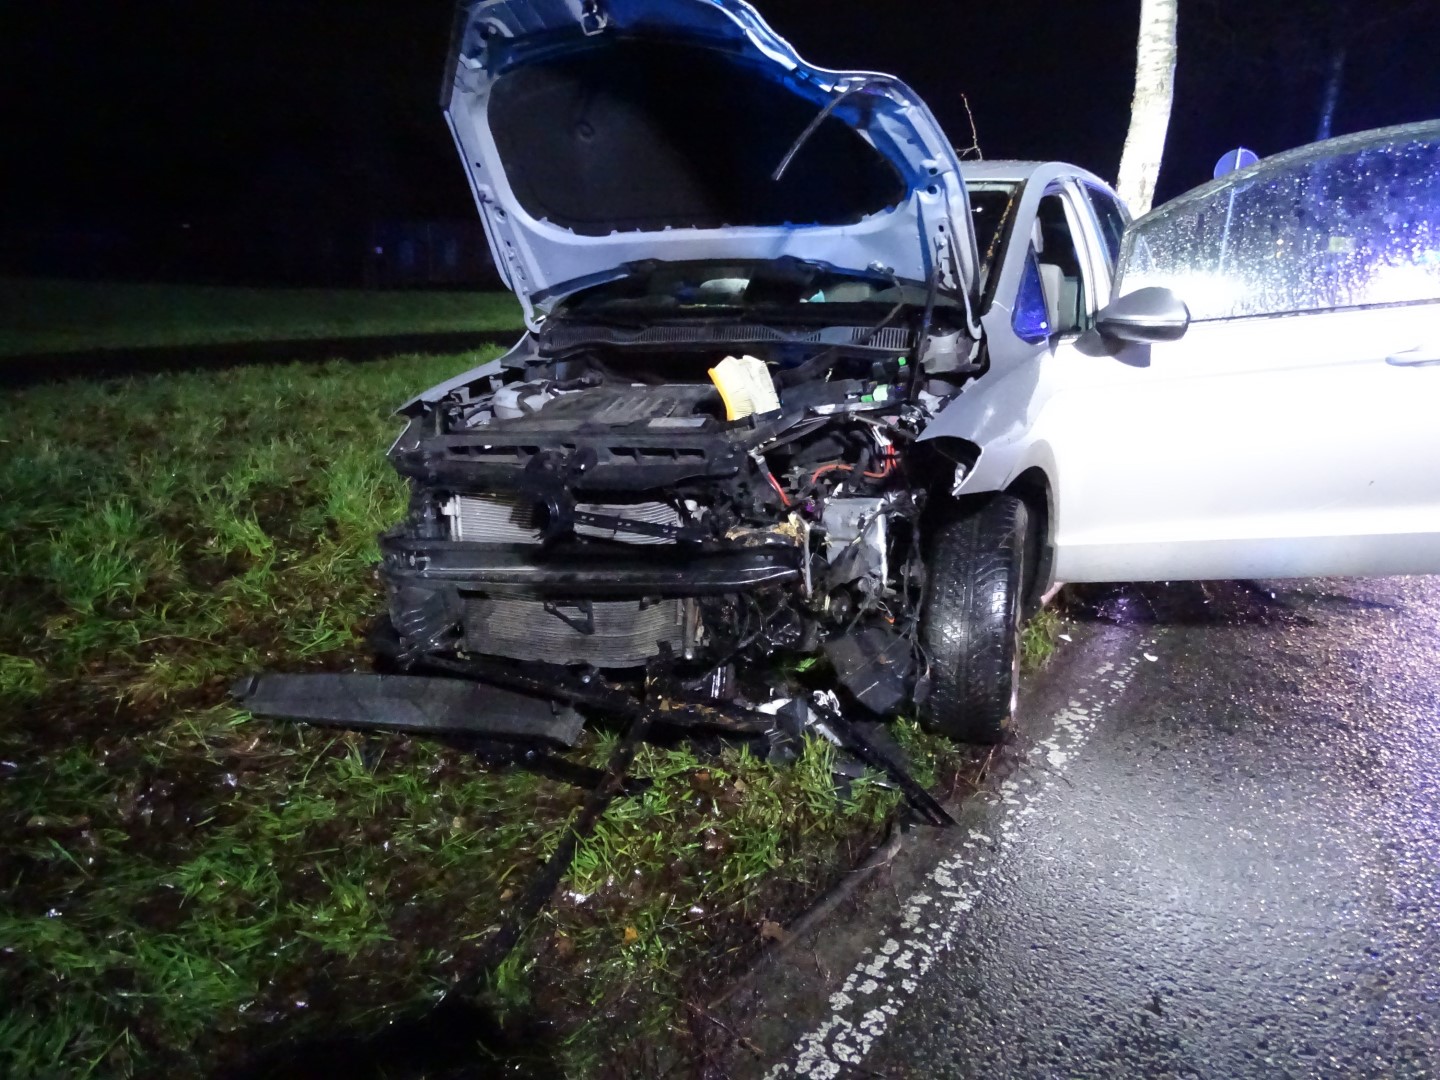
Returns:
point(182, 881)
point(42, 316)
point(1039, 637)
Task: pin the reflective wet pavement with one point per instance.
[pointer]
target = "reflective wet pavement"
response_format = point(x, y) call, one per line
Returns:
point(1218, 858)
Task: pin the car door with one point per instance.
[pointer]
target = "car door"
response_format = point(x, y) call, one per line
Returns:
point(1295, 429)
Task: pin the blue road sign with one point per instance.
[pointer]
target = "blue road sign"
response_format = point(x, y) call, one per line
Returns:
point(1239, 158)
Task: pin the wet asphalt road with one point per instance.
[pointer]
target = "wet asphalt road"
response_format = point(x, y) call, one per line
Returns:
point(1232, 870)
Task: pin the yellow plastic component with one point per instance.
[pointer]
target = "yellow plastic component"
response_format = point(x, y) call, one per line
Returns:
point(745, 387)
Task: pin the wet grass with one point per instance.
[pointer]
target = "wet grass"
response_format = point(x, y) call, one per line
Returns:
point(182, 882)
point(1040, 636)
point(41, 316)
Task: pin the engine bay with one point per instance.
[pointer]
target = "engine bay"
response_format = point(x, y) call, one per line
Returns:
point(604, 510)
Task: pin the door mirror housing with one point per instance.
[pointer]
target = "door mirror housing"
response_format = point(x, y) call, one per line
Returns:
point(1144, 316)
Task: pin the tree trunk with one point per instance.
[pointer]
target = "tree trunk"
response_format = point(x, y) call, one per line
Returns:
point(1330, 100)
point(1150, 110)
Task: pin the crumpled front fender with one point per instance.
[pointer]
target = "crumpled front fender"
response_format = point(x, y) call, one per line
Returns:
point(996, 415)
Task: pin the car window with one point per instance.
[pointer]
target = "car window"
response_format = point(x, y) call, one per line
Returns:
point(1353, 222)
point(1062, 270)
point(1113, 219)
point(1031, 318)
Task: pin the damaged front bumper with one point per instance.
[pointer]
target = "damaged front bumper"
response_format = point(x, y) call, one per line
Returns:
point(610, 609)
point(548, 573)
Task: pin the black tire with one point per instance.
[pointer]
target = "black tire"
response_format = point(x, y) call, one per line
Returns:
point(970, 624)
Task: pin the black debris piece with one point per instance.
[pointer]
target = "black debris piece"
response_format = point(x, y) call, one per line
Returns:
point(851, 737)
point(411, 704)
point(611, 785)
point(875, 665)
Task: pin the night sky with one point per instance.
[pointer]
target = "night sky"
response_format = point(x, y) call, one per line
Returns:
point(315, 109)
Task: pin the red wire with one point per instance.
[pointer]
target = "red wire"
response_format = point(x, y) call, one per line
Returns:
point(890, 459)
point(828, 468)
point(784, 499)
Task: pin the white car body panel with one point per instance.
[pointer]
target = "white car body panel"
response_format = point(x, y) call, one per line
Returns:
point(1269, 447)
point(1296, 444)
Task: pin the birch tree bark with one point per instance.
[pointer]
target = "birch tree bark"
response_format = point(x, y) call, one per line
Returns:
point(1150, 109)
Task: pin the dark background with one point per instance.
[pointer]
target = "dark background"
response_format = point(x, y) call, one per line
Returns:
point(271, 141)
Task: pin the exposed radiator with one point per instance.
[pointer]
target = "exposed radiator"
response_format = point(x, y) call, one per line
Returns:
point(610, 634)
point(503, 519)
point(492, 519)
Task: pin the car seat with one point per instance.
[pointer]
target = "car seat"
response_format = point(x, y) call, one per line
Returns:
point(1062, 290)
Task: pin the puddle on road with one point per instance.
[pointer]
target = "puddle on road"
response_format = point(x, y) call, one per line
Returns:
point(1197, 603)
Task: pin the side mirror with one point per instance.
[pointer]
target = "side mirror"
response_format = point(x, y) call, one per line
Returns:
point(1144, 316)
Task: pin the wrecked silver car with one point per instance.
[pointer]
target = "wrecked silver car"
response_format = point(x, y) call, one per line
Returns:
point(776, 404)
point(702, 461)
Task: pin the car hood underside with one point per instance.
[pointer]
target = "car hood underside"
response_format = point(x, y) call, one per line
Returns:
point(603, 133)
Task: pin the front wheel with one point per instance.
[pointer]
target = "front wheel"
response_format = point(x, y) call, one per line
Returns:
point(970, 625)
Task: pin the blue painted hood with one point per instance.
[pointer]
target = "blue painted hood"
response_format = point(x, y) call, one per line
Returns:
point(601, 134)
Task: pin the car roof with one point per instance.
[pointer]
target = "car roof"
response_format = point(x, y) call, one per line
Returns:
point(1015, 171)
point(1003, 169)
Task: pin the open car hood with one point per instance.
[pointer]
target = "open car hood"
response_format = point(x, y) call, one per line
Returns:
point(602, 133)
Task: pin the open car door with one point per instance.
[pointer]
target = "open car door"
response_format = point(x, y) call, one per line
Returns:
point(1294, 430)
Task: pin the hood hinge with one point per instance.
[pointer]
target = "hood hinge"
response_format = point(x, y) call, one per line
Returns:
point(593, 19)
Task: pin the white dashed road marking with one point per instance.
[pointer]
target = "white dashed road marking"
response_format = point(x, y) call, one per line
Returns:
point(931, 920)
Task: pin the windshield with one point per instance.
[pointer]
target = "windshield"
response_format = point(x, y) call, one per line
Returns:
point(715, 288)
point(990, 203)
